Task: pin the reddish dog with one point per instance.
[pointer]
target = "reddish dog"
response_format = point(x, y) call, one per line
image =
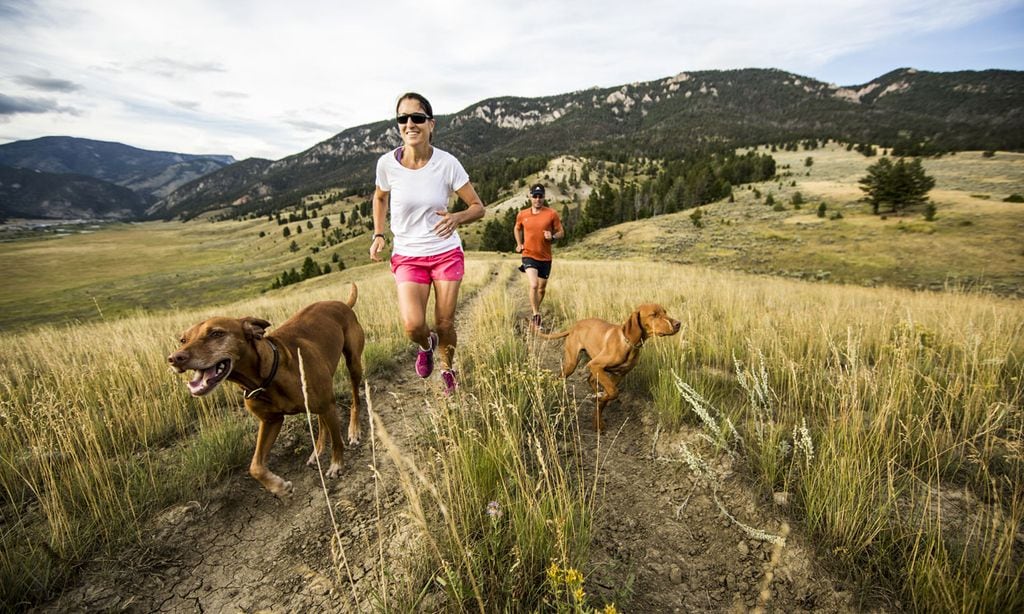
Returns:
point(267, 367)
point(613, 350)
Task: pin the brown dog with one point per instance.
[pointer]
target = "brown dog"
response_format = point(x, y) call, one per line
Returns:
point(613, 350)
point(267, 367)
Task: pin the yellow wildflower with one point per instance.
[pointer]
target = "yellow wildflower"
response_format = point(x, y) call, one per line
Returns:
point(553, 571)
point(573, 576)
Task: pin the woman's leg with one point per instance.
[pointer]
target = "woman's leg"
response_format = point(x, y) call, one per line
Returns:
point(412, 309)
point(446, 297)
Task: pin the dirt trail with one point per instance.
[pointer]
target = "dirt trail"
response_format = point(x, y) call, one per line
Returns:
point(659, 543)
point(241, 549)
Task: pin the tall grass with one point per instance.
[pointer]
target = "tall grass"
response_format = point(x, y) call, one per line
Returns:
point(98, 434)
point(912, 400)
point(500, 491)
point(891, 420)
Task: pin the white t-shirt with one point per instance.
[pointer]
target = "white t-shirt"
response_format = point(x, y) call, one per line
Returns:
point(416, 196)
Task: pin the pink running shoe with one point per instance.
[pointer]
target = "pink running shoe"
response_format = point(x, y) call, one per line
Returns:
point(425, 358)
point(450, 383)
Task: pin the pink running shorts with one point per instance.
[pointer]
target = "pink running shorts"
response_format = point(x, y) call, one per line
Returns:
point(447, 266)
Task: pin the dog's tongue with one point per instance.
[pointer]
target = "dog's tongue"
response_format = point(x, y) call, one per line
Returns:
point(200, 384)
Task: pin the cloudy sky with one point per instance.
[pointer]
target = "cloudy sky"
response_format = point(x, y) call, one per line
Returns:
point(271, 78)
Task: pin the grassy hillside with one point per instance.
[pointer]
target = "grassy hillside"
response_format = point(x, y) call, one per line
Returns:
point(973, 242)
point(154, 266)
point(94, 446)
point(860, 403)
point(887, 421)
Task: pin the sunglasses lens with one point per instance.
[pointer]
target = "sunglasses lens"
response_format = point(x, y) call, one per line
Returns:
point(417, 118)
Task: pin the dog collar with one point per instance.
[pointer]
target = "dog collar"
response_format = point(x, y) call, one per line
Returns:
point(270, 378)
point(640, 343)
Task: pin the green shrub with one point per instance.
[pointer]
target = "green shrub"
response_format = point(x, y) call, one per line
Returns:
point(697, 218)
point(929, 212)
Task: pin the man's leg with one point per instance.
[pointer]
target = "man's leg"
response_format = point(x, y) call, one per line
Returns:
point(542, 284)
point(536, 294)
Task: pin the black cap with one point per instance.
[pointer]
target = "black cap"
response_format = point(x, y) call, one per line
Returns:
point(537, 190)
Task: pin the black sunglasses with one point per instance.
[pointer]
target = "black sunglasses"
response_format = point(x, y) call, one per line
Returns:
point(417, 118)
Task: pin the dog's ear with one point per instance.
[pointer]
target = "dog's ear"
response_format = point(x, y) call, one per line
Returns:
point(254, 328)
point(634, 328)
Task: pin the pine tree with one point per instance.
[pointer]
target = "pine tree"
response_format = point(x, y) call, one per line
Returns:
point(309, 268)
point(900, 185)
point(497, 234)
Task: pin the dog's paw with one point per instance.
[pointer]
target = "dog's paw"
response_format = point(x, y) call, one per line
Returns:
point(333, 471)
point(283, 490)
point(353, 440)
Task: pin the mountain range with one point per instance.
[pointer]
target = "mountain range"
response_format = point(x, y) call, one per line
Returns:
point(60, 177)
point(914, 112)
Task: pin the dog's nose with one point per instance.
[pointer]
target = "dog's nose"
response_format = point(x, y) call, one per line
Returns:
point(675, 325)
point(177, 358)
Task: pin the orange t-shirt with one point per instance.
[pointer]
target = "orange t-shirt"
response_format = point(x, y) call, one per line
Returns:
point(534, 224)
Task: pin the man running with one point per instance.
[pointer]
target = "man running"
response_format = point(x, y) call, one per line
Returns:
point(535, 229)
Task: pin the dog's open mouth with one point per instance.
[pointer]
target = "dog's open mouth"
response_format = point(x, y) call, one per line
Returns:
point(207, 379)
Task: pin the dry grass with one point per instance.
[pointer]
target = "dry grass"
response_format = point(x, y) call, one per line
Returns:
point(912, 403)
point(98, 433)
point(906, 396)
point(499, 493)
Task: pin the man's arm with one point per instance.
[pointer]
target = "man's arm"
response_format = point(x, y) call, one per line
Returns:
point(559, 230)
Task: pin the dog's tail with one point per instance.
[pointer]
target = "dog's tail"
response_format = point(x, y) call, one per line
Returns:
point(352, 296)
point(564, 333)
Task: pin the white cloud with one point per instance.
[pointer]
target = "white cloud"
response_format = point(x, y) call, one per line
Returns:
point(270, 79)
